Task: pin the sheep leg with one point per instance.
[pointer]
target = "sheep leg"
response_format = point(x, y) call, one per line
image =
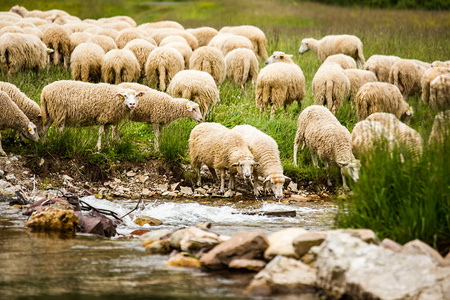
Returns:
point(107, 135)
point(2, 153)
point(232, 183)
point(222, 180)
point(328, 173)
point(157, 131)
point(344, 183)
point(45, 129)
point(101, 130)
point(214, 174)
point(295, 153)
point(314, 158)
point(199, 178)
point(115, 133)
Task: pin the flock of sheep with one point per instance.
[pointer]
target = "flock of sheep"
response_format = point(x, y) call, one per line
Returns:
point(183, 69)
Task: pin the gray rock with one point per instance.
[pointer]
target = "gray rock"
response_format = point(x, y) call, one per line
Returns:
point(391, 245)
point(419, 247)
point(200, 191)
point(10, 177)
point(281, 243)
point(186, 190)
point(293, 187)
point(163, 187)
point(196, 238)
point(4, 184)
point(304, 242)
point(229, 194)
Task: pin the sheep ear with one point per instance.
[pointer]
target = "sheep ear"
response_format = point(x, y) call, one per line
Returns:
point(39, 117)
point(288, 179)
point(140, 94)
point(120, 96)
point(409, 111)
point(50, 51)
point(188, 107)
point(256, 164)
point(235, 165)
point(289, 55)
point(342, 163)
point(267, 179)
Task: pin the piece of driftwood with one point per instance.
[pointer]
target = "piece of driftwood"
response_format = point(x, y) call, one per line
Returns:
point(288, 213)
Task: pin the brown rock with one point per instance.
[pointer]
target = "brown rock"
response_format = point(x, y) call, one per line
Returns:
point(54, 219)
point(419, 247)
point(196, 238)
point(158, 247)
point(391, 245)
point(142, 220)
point(184, 260)
point(139, 232)
point(304, 242)
point(96, 223)
point(281, 243)
point(247, 264)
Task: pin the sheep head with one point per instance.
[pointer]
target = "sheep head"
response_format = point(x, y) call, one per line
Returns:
point(245, 167)
point(304, 46)
point(130, 97)
point(279, 56)
point(30, 132)
point(193, 111)
point(277, 182)
point(351, 168)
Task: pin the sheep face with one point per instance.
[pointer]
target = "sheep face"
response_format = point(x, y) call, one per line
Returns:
point(245, 168)
point(130, 98)
point(278, 56)
point(31, 133)
point(194, 111)
point(277, 183)
point(350, 168)
point(303, 47)
point(406, 116)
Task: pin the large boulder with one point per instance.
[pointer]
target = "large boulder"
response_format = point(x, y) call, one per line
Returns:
point(280, 243)
point(96, 223)
point(196, 239)
point(54, 219)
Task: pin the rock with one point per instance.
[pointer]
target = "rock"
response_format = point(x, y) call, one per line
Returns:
point(67, 178)
point(280, 243)
point(10, 177)
point(131, 174)
point(196, 238)
point(54, 219)
point(172, 194)
point(304, 242)
point(419, 247)
point(38, 205)
point(366, 235)
point(200, 191)
point(206, 225)
point(163, 187)
point(283, 275)
point(142, 220)
point(297, 198)
point(255, 265)
point(158, 247)
point(348, 267)
point(139, 232)
point(447, 260)
point(142, 178)
point(184, 260)
point(292, 187)
point(96, 223)
point(175, 186)
point(249, 245)
point(176, 237)
point(4, 184)
point(228, 194)
point(154, 235)
point(391, 245)
point(186, 191)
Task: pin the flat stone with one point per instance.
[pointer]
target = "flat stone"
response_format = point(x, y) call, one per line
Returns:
point(304, 242)
point(163, 187)
point(184, 260)
point(255, 265)
point(200, 191)
point(281, 243)
point(196, 239)
point(186, 191)
point(158, 247)
point(143, 220)
point(228, 194)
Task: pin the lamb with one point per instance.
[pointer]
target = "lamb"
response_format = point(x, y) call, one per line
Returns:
point(211, 60)
point(319, 129)
point(57, 38)
point(75, 103)
point(120, 65)
point(242, 66)
point(358, 78)
point(13, 117)
point(335, 44)
point(203, 34)
point(380, 65)
point(441, 129)
point(265, 151)
point(160, 110)
point(197, 86)
point(106, 42)
point(184, 50)
point(227, 42)
point(406, 75)
point(279, 83)
point(220, 148)
point(253, 33)
point(141, 49)
point(440, 92)
point(381, 97)
point(86, 62)
point(330, 86)
point(345, 61)
point(162, 65)
point(410, 140)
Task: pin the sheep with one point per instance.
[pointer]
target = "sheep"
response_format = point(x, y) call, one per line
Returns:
point(61, 20)
point(242, 66)
point(11, 29)
point(345, 61)
point(78, 38)
point(22, 51)
point(358, 78)
point(406, 75)
point(22, 11)
point(184, 50)
point(162, 65)
point(162, 25)
point(381, 97)
point(115, 19)
point(279, 83)
point(141, 49)
point(253, 33)
point(10, 16)
point(203, 34)
point(129, 34)
point(330, 86)
point(33, 31)
point(428, 76)
point(439, 63)
point(440, 92)
point(97, 30)
point(5, 24)
point(77, 27)
point(86, 62)
point(13, 117)
point(211, 60)
point(410, 141)
point(319, 129)
point(160, 110)
point(227, 42)
point(220, 148)
point(106, 42)
point(335, 44)
point(197, 86)
point(159, 34)
point(115, 24)
point(441, 129)
point(120, 65)
point(380, 65)
point(58, 39)
point(172, 39)
point(265, 151)
point(75, 103)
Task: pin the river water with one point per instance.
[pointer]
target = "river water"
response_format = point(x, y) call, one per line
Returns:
point(45, 266)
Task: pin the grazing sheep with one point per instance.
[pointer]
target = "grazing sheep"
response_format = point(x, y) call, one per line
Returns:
point(254, 34)
point(381, 97)
point(410, 141)
point(162, 25)
point(441, 129)
point(34, 31)
point(115, 19)
point(61, 20)
point(319, 129)
point(97, 30)
point(162, 65)
point(220, 148)
point(160, 110)
point(86, 62)
point(345, 61)
point(106, 42)
point(173, 39)
point(265, 151)
point(11, 29)
point(330, 86)
point(75, 103)
point(242, 66)
point(427, 78)
point(129, 34)
point(120, 65)
point(197, 86)
point(13, 117)
point(406, 75)
point(440, 92)
point(335, 44)
point(211, 60)
point(22, 11)
point(279, 83)
point(57, 38)
point(76, 27)
point(159, 34)
point(203, 34)
point(184, 50)
point(116, 24)
point(5, 23)
point(439, 63)
point(380, 65)
point(141, 49)
point(227, 42)
point(78, 38)
point(358, 78)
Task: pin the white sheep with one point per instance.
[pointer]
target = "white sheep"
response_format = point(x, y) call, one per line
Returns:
point(141, 49)
point(279, 83)
point(381, 97)
point(11, 29)
point(159, 34)
point(162, 25)
point(330, 86)
point(319, 129)
point(441, 129)
point(97, 30)
point(22, 11)
point(159, 109)
point(120, 65)
point(13, 117)
point(116, 24)
point(427, 77)
point(380, 65)
point(440, 92)
point(184, 50)
point(265, 151)
point(76, 103)
point(253, 33)
point(439, 63)
point(197, 86)
point(114, 19)
point(78, 38)
point(335, 44)
point(358, 78)
point(211, 60)
point(86, 62)
point(76, 27)
point(34, 31)
point(220, 148)
point(410, 141)
point(242, 66)
point(345, 61)
point(406, 75)
point(227, 42)
point(203, 34)
point(172, 39)
point(163, 63)
point(129, 34)
point(106, 42)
